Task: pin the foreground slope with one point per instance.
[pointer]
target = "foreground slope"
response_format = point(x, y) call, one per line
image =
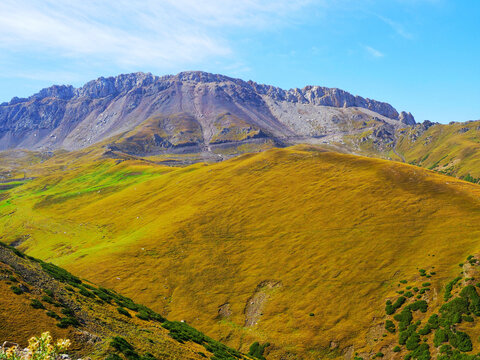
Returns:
point(38, 296)
point(298, 247)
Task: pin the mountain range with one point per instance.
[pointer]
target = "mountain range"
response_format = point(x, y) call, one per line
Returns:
point(189, 112)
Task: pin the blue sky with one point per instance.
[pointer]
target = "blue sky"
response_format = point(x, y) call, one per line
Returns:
point(419, 55)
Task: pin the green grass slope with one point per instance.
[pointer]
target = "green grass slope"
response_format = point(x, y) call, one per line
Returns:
point(295, 247)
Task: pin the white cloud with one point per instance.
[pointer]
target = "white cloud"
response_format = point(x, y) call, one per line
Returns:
point(396, 26)
point(140, 33)
point(374, 52)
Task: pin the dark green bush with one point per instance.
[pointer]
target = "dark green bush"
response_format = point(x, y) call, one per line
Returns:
point(16, 290)
point(120, 344)
point(461, 341)
point(60, 274)
point(67, 321)
point(440, 337)
point(142, 314)
point(390, 326)
point(124, 312)
point(36, 304)
point(391, 308)
point(86, 293)
point(67, 311)
point(53, 315)
point(404, 318)
point(419, 305)
point(256, 350)
point(48, 299)
point(449, 288)
point(412, 341)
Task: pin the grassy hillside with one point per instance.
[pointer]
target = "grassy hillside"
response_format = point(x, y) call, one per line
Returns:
point(451, 149)
point(296, 247)
point(38, 296)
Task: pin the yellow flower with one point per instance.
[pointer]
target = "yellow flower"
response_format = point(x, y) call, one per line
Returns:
point(11, 351)
point(63, 344)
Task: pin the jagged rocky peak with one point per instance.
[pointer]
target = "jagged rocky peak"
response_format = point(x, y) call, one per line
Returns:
point(103, 87)
point(319, 95)
point(204, 77)
point(64, 92)
point(406, 118)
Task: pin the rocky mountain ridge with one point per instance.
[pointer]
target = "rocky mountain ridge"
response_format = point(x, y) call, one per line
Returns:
point(66, 117)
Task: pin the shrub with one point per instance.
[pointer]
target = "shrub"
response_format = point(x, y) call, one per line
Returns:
point(53, 315)
point(461, 341)
point(391, 308)
point(256, 350)
point(48, 299)
point(390, 326)
point(67, 311)
point(412, 341)
point(124, 312)
point(60, 274)
point(67, 321)
point(36, 304)
point(16, 290)
point(120, 344)
point(142, 314)
point(449, 288)
point(440, 337)
point(419, 305)
point(397, 349)
point(86, 293)
point(404, 318)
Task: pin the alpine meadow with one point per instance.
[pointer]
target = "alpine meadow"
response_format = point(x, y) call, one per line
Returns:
point(204, 216)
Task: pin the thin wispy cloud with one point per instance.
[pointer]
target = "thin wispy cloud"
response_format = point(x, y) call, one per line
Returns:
point(374, 52)
point(141, 33)
point(396, 26)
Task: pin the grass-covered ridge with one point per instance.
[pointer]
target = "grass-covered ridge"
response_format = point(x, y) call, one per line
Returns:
point(294, 231)
point(451, 149)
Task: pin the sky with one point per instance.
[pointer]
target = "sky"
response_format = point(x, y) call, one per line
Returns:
point(420, 56)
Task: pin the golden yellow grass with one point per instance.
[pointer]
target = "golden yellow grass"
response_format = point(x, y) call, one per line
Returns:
point(337, 230)
point(452, 148)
